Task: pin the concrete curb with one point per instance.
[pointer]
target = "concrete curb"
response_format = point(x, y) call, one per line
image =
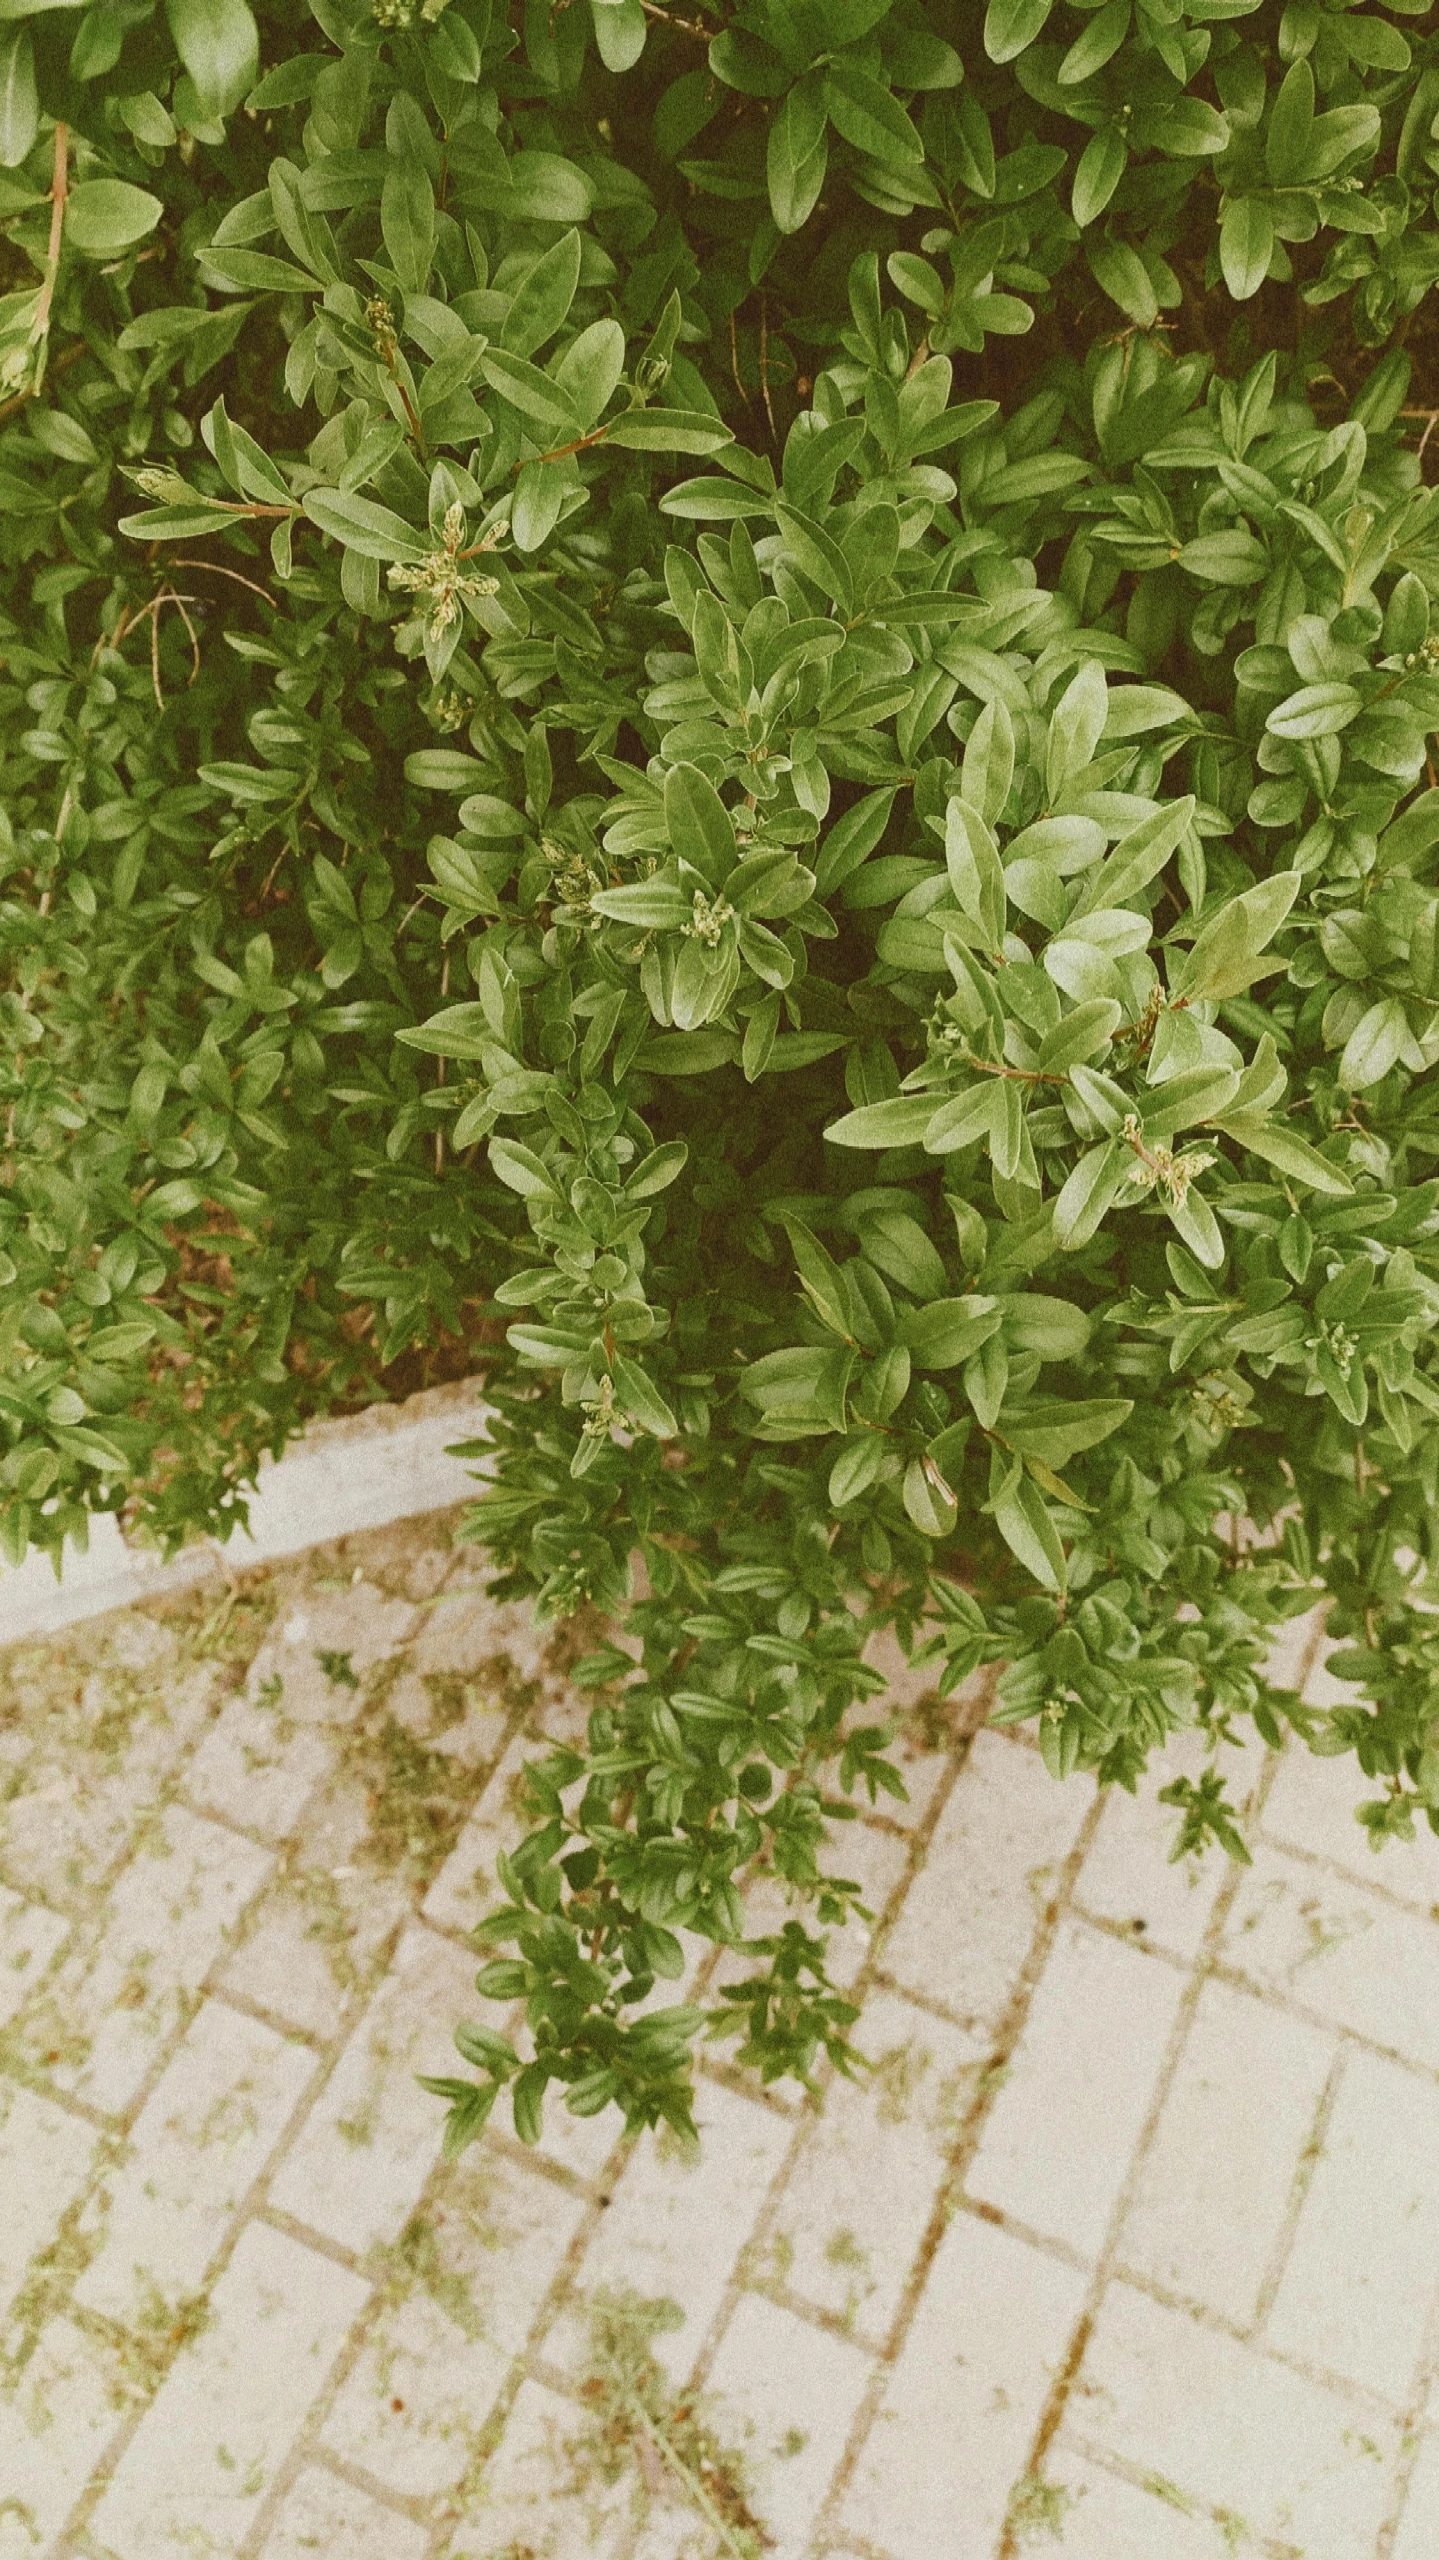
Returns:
point(386, 1464)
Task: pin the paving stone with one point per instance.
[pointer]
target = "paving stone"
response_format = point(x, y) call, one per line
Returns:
point(1216, 2181)
point(196, 2148)
point(30, 1938)
point(58, 2416)
point(1129, 1877)
point(540, 2496)
point(464, 2284)
point(960, 2408)
point(1360, 2282)
point(315, 1943)
point(325, 2518)
point(1084, 2076)
point(676, 2228)
point(467, 1885)
point(412, 2410)
point(46, 2156)
point(169, 1915)
point(859, 2197)
point(1312, 1806)
point(211, 2442)
point(357, 2167)
point(787, 2395)
point(258, 1769)
point(357, 1625)
point(1233, 2430)
point(1348, 1955)
point(86, 1762)
point(993, 1863)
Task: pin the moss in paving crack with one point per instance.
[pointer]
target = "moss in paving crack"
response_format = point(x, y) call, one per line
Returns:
point(640, 2423)
point(1037, 2509)
point(416, 2263)
point(50, 2280)
point(156, 2333)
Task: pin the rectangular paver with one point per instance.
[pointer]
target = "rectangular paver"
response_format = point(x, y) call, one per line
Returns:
point(1058, 2141)
point(58, 2415)
point(170, 1913)
point(1129, 1876)
point(993, 1864)
point(859, 2197)
point(31, 1936)
point(677, 2228)
point(1232, 2429)
point(211, 2441)
point(1361, 2278)
point(257, 1766)
point(464, 2285)
point(960, 2409)
point(45, 2159)
point(1349, 1955)
point(1216, 2181)
point(200, 2141)
point(787, 2395)
point(359, 2163)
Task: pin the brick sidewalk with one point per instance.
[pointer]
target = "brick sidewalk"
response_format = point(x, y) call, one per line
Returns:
point(1128, 2246)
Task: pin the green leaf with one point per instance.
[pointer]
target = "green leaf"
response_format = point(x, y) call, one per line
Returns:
point(699, 827)
point(1230, 559)
point(1102, 164)
point(900, 1123)
point(655, 905)
point(219, 45)
point(1121, 273)
point(407, 218)
point(1056, 1432)
point(867, 115)
point(536, 395)
point(376, 532)
point(928, 1499)
point(948, 1331)
point(1023, 1521)
point(797, 155)
point(105, 216)
point(668, 431)
point(1246, 245)
point(1011, 26)
point(1315, 711)
point(1090, 1193)
point(1226, 958)
point(441, 768)
point(1288, 141)
point(1374, 1045)
point(897, 1243)
point(19, 99)
point(817, 555)
point(1291, 1154)
point(641, 1398)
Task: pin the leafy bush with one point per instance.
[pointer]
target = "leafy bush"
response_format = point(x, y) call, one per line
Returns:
point(726, 715)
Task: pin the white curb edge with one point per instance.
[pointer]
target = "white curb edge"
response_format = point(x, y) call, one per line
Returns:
point(363, 1472)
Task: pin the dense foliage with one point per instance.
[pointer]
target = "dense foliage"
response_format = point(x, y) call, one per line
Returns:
point(726, 713)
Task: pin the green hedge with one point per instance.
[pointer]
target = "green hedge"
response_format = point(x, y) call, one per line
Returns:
point(726, 713)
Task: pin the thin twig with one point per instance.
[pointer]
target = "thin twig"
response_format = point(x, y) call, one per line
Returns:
point(59, 190)
point(217, 571)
